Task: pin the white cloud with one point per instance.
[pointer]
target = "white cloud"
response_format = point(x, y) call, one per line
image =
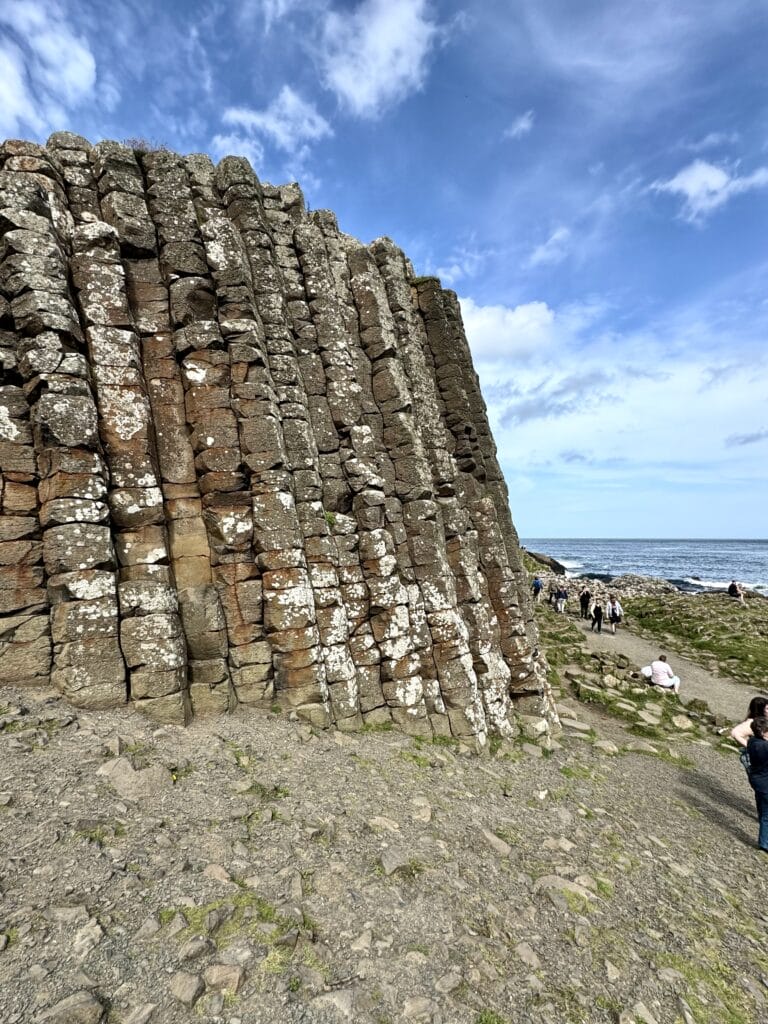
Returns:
point(705, 187)
point(289, 121)
point(554, 250)
point(236, 145)
point(521, 126)
point(46, 68)
point(503, 332)
point(377, 55)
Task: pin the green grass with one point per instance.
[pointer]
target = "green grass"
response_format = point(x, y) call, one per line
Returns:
point(709, 627)
point(490, 1017)
point(249, 911)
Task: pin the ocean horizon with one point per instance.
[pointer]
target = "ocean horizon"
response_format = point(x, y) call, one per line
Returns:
point(693, 564)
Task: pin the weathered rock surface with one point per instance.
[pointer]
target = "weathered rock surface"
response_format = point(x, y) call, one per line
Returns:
point(244, 458)
point(290, 874)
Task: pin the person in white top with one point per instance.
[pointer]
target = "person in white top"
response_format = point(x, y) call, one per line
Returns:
point(613, 612)
point(663, 676)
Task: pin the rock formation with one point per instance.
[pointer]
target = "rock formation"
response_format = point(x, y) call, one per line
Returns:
point(244, 458)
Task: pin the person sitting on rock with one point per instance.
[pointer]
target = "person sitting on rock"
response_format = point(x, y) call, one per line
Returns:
point(742, 732)
point(734, 590)
point(663, 676)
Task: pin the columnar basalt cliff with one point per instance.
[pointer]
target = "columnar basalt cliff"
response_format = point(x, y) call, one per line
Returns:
point(244, 458)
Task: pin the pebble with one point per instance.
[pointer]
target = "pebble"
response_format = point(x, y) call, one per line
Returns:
point(187, 988)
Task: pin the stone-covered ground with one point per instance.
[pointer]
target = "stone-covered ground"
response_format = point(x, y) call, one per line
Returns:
point(249, 869)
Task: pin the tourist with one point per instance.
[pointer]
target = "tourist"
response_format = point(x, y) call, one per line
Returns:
point(663, 676)
point(552, 592)
point(734, 590)
point(560, 599)
point(614, 612)
point(536, 588)
point(597, 617)
point(743, 731)
point(584, 598)
point(757, 749)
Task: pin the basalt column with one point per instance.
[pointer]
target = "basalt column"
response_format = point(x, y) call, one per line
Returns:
point(244, 458)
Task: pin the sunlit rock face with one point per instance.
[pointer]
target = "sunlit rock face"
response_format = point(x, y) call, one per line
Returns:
point(244, 458)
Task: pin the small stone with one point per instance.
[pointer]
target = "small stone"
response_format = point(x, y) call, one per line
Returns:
point(682, 722)
point(532, 750)
point(562, 844)
point(362, 943)
point(224, 977)
point(496, 843)
point(80, 1008)
point(419, 1008)
point(641, 747)
point(195, 947)
point(449, 982)
point(612, 971)
point(141, 1014)
point(571, 723)
point(670, 976)
point(393, 860)
point(606, 746)
point(527, 955)
point(374, 824)
point(187, 988)
point(6, 799)
point(87, 938)
point(150, 927)
point(217, 872)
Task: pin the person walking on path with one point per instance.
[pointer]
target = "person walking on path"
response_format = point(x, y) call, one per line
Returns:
point(663, 676)
point(584, 597)
point(757, 749)
point(742, 732)
point(597, 617)
point(614, 612)
point(536, 588)
point(560, 599)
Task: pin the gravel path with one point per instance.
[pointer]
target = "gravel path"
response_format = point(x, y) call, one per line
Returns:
point(723, 695)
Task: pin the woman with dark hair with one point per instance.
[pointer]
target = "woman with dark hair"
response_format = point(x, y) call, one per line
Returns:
point(757, 748)
point(743, 731)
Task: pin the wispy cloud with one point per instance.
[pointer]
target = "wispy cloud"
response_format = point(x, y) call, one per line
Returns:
point(739, 440)
point(46, 67)
point(288, 122)
point(713, 140)
point(553, 398)
point(521, 126)
point(705, 187)
point(376, 56)
point(554, 250)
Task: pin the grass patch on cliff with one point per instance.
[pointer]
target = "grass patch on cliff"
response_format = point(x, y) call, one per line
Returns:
point(708, 628)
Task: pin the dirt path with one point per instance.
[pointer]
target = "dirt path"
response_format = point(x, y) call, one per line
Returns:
point(724, 696)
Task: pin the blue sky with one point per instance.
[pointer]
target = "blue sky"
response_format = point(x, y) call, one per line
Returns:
point(591, 178)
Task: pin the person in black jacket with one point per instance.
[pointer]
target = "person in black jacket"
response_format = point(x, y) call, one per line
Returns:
point(757, 749)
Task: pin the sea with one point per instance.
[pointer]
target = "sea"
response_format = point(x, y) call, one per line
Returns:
point(691, 565)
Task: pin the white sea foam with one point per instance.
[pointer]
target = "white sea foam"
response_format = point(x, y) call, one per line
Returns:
point(707, 584)
point(569, 563)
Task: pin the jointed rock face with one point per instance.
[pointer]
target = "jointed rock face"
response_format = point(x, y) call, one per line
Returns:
point(244, 458)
